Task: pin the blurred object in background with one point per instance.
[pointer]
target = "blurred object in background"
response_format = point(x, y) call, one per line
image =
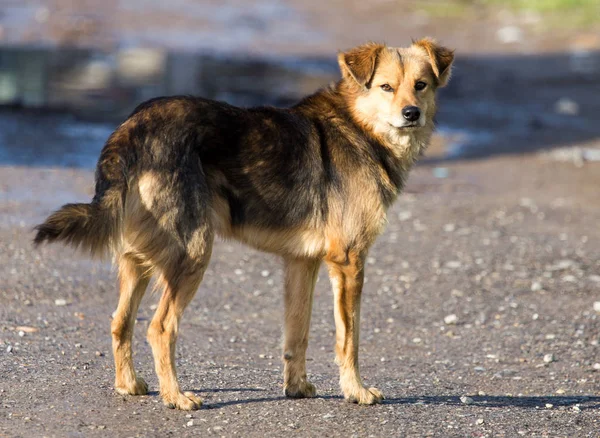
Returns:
point(525, 78)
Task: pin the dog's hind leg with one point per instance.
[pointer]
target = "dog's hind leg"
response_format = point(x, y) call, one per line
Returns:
point(300, 278)
point(181, 280)
point(133, 281)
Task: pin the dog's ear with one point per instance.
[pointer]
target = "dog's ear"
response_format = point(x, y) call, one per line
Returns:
point(440, 57)
point(359, 64)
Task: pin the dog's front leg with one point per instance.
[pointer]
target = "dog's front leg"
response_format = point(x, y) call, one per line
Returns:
point(347, 281)
point(300, 278)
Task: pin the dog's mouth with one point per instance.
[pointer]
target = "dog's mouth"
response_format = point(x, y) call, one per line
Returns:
point(410, 126)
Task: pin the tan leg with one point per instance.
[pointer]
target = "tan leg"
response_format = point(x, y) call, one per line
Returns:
point(347, 281)
point(180, 288)
point(132, 285)
point(300, 278)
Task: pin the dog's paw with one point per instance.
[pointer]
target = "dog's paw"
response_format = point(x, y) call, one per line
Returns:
point(365, 396)
point(187, 401)
point(137, 387)
point(303, 389)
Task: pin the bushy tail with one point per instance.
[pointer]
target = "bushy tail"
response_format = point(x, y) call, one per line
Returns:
point(96, 226)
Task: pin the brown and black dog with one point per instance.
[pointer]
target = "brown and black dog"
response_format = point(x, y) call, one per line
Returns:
point(310, 183)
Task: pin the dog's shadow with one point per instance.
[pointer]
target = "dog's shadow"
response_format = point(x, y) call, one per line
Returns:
point(486, 401)
point(490, 401)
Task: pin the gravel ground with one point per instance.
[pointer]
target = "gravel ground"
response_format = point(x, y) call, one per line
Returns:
point(478, 319)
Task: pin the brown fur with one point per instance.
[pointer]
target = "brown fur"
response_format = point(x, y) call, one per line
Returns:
point(311, 183)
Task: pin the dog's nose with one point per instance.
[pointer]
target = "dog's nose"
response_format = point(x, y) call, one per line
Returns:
point(411, 113)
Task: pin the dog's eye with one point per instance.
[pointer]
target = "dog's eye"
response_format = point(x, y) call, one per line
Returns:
point(420, 85)
point(386, 87)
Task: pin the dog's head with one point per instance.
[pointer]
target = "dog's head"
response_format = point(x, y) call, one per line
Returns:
point(393, 89)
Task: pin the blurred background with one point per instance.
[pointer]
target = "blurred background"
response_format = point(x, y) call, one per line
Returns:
point(526, 78)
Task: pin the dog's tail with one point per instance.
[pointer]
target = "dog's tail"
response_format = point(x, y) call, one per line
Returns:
point(96, 226)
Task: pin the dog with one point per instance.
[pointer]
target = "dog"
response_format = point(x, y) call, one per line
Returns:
point(310, 183)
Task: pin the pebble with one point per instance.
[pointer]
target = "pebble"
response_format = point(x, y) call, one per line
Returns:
point(467, 400)
point(453, 264)
point(549, 358)
point(326, 416)
point(21, 333)
point(536, 286)
point(99, 354)
point(594, 278)
point(479, 421)
point(451, 319)
point(566, 106)
point(190, 423)
point(549, 405)
point(265, 273)
point(417, 340)
point(60, 302)
point(597, 306)
point(27, 329)
point(449, 228)
point(596, 366)
point(576, 408)
point(9, 349)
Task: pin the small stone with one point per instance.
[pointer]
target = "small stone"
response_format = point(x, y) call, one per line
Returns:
point(548, 358)
point(549, 405)
point(451, 319)
point(27, 329)
point(21, 333)
point(190, 423)
point(448, 228)
point(467, 400)
point(596, 366)
point(238, 272)
point(535, 316)
point(417, 340)
point(265, 273)
point(453, 264)
point(9, 349)
point(597, 306)
point(536, 286)
point(188, 416)
point(60, 302)
point(479, 369)
point(479, 421)
point(327, 416)
point(566, 106)
point(576, 408)
point(99, 354)
point(560, 391)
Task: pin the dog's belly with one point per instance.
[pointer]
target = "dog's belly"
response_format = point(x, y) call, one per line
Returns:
point(289, 242)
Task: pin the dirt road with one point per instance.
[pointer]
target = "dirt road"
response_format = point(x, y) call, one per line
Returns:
point(509, 246)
